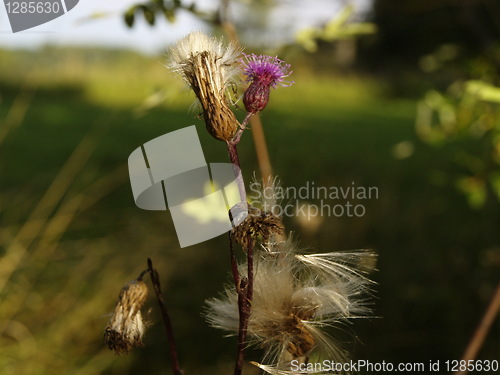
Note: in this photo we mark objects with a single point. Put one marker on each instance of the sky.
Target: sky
(76, 27)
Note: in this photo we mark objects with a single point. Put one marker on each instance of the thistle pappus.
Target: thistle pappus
(126, 327)
(209, 67)
(295, 298)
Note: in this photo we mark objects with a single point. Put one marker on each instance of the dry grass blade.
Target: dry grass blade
(39, 217)
(19, 108)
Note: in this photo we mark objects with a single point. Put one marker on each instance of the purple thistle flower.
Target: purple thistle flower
(263, 72)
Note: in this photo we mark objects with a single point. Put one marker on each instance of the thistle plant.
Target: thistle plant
(280, 300)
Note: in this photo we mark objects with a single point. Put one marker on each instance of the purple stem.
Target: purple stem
(235, 160)
(155, 279)
(238, 366)
(234, 264)
(237, 137)
(244, 286)
(250, 272)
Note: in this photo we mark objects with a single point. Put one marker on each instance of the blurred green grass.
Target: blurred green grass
(64, 262)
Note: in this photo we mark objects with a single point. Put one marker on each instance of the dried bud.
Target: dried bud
(209, 68)
(126, 327)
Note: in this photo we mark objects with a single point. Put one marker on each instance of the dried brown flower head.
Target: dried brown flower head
(294, 298)
(125, 329)
(209, 68)
(257, 224)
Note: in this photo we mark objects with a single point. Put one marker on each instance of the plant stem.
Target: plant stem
(234, 264)
(244, 288)
(238, 366)
(237, 137)
(244, 299)
(241, 284)
(250, 272)
(235, 160)
(242, 329)
(155, 279)
(483, 329)
(263, 159)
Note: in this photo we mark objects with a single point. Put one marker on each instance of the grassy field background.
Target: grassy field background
(71, 235)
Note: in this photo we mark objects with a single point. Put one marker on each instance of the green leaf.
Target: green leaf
(307, 39)
(337, 28)
(474, 190)
(169, 15)
(129, 16)
(149, 15)
(336, 24)
(483, 91)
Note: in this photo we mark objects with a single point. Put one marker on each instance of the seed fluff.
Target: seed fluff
(295, 298)
(210, 68)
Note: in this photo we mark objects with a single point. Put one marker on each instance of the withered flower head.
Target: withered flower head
(294, 298)
(209, 68)
(258, 224)
(264, 221)
(126, 327)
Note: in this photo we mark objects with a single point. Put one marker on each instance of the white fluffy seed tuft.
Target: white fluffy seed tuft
(295, 298)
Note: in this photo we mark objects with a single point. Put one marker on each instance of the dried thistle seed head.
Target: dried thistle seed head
(300, 340)
(257, 224)
(126, 327)
(209, 67)
(294, 298)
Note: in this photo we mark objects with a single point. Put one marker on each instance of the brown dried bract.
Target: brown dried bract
(257, 223)
(126, 327)
(301, 340)
(220, 121)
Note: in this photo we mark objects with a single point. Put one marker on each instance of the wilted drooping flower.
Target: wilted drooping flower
(294, 298)
(209, 68)
(126, 327)
(263, 72)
